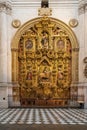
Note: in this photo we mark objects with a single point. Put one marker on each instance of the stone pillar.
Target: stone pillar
(9, 36)
(85, 55)
(4, 10)
(83, 49)
(3, 45)
(85, 6)
(81, 42)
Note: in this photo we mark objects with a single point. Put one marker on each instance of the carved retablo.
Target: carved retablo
(44, 59)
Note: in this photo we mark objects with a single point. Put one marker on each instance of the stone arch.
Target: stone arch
(62, 25)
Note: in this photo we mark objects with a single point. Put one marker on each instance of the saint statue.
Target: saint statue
(45, 39)
(29, 76)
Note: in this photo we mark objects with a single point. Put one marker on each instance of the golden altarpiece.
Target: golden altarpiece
(44, 64)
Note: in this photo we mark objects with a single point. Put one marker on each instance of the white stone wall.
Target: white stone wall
(25, 10)
(3, 97)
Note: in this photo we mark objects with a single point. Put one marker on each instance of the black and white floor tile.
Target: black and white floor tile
(43, 116)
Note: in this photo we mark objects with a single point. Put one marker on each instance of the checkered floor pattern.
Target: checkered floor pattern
(43, 116)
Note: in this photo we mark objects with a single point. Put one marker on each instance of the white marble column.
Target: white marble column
(85, 30)
(83, 50)
(3, 44)
(9, 35)
(85, 55)
(81, 41)
(4, 10)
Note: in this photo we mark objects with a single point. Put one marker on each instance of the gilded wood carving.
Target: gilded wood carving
(44, 61)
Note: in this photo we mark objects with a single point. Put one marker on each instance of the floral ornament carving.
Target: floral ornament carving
(73, 23)
(16, 23)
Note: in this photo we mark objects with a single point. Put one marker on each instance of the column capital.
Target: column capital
(5, 7)
(83, 8)
(86, 7)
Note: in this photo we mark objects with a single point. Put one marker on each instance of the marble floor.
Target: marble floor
(43, 116)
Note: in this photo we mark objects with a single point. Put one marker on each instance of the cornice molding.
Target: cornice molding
(37, 3)
(5, 7)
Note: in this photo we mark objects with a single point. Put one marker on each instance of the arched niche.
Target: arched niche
(64, 30)
(62, 25)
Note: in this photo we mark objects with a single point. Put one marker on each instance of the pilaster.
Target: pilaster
(5, 11)
(81, 32)
(85, 30)
(3, 47)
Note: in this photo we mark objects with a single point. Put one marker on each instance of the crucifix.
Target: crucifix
(44, 4)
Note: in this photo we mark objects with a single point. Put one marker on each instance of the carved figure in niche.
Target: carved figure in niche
(29, 44)
(45, 39)
(29, 76)
(60, 74)
(60, 44)
(45, 75)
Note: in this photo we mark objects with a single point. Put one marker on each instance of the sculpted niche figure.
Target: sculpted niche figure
(45, 75)
(44, 40)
